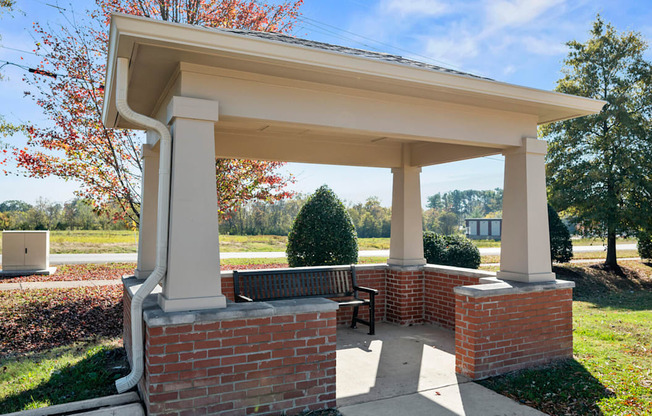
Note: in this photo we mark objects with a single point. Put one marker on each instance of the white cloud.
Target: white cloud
(414, 8)
(544, 46)
(454, 49)
(509, 70)
(515, 13)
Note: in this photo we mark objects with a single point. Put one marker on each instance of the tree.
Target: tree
(448, 223)
(14, 205)
(106, 162)
(561, 246)
(323, 233)
(371, 220)
(645, 245)
(598, 165)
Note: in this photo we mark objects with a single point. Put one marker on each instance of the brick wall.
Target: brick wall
(500, 333)
(404, 298)
(439, 298)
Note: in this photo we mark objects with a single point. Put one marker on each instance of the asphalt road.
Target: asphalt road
(131, 257)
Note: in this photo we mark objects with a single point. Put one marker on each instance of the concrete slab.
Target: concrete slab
(116, 401)
(410, 371)
(394, 362)
(466, 399)
(17, 273)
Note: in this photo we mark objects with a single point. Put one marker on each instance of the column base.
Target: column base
(142, 274)
(406, 262)
(526, 277)
(191, 304)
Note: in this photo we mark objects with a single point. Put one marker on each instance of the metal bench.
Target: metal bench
(328, 282)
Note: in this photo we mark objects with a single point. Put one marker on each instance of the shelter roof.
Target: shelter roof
(379, 56)
(157, 49)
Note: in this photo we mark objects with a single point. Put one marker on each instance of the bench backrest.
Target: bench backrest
(262, 285)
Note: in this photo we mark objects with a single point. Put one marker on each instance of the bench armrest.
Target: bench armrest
(242, 298)
(366, 290)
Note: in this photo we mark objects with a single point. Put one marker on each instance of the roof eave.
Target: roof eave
(566, 106)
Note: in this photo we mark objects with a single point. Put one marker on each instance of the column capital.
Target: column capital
(530, 146)
(147, 151)
(403, 168)
(192, 108)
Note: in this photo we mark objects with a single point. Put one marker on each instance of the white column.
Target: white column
(406, 242)
(525, 240)
(148, 211)
(193, 276)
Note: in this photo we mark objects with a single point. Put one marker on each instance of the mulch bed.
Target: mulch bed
(109, 271)
(597, 279)
(36, 320)
(76, 272)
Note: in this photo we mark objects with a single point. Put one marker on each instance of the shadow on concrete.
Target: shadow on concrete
(409, 371)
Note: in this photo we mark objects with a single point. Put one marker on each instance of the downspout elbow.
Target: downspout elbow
(137, 368)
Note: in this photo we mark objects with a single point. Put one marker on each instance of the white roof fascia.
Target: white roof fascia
(252, 48)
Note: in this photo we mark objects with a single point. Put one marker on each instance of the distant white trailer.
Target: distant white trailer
(484, 228)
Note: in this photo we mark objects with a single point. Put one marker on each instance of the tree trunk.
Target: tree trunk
(611, 250)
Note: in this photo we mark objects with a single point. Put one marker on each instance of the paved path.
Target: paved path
(59, 284)
(131, 257)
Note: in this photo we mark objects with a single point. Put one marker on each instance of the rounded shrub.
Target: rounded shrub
(450, 250)
(322, 233)
(561, 247)
(645, 245)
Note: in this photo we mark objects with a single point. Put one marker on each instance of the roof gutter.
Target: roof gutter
(122, 82)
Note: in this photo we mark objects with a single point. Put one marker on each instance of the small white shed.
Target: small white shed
(25, 252)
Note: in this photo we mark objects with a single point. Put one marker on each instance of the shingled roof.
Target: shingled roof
(378, 56)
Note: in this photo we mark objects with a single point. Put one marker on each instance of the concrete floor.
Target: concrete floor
(409, 371)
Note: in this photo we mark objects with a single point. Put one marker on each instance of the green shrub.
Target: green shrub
(450, 250)
(322, 233)
(561, 247)
(645, 245)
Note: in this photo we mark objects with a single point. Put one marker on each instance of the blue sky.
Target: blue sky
(516, 41)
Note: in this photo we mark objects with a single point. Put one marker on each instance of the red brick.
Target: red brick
(180, 329)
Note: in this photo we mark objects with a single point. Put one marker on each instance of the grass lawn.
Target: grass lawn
(611, 373)
(65, 374)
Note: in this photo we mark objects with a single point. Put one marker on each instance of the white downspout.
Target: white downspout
(150, 283)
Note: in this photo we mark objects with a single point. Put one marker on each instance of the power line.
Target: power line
(19, 50)
(45, 73)
(379, 42)
(323, 29)
(54, 6)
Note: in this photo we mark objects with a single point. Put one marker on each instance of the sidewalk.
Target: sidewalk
(59, 284)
